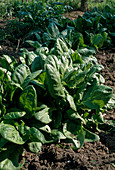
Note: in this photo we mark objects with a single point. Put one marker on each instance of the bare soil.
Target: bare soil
(98, 155)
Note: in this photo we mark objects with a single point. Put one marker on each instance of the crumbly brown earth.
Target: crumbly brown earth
(98, 155)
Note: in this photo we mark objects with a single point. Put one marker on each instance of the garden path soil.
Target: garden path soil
(98, 155)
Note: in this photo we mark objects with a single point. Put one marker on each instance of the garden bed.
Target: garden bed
(96, 155)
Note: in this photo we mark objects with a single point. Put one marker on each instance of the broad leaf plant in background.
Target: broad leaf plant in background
(55, 92)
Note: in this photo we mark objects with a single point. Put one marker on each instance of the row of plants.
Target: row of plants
(7, 7)
(93, 28)
(56, 91)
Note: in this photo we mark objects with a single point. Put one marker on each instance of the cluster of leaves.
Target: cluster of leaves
(54, 93)
(32, 16)
(96, 27)
(93, 28)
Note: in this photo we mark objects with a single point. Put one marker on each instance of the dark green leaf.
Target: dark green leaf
(90, 136)
(2, 142)
(9, 159)
(74, 116)
(36, 135)
(28, 101)
(56, 119)
(97, 96)
(30, 77)
(53, 30)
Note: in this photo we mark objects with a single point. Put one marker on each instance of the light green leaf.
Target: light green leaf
(10, 133)
(20, 73)
(55, 86)
(5, 72)
(15, 114)
(35, 147)
(66, 132)
(45, 128)
(7, 165)
(71, 102)
(58, 133)
(43, 115)
(60, 47)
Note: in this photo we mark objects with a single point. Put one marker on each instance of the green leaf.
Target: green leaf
(78, 40)
(38, 63)
(98, 117)
(76, 57)
(98, 39)
(34, 44)
(11, 88)
(28, 101)
(10, 133)
(86, 51)
(24, 131)
(75, 80)
(45, 128)
(30, 77)
(53, 30)
(97, 96)
(60, 47)
(43, 115)
(2, 142)
(70, 135)
(8, 62)
(90, 136)
(65, 64)
(14, 114)
(81, 137)
(55, 86)
(35, 147)
(58, 133)
(5, 72)
(56, 119)
(71, 102)
(73, 115)
(36, 135)
(20, 73)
